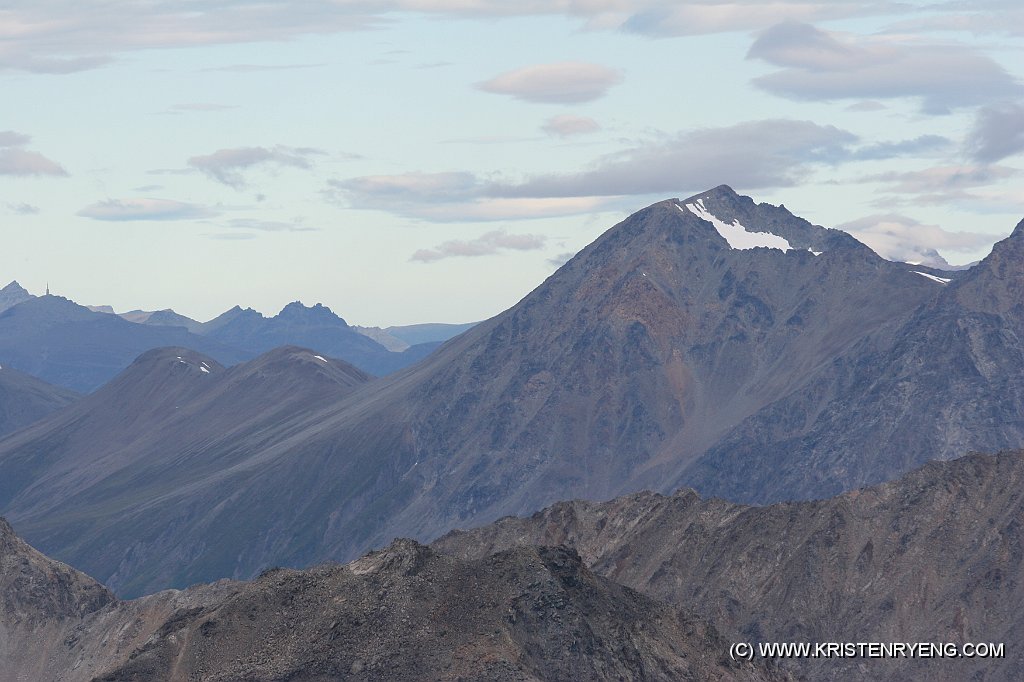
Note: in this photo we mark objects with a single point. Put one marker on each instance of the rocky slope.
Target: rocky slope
(937, 556)
(404, 613)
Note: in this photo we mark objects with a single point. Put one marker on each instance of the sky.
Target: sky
(408, 161)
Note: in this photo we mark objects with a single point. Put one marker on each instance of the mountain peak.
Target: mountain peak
(13, 294)
(1018, 232)
(296, 310)
(173, 357)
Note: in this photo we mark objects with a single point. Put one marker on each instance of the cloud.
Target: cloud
(561, 83)
(561, 259)
(819, 65)
(144, 209)
(17, 161)
(755, 154)
(698, 18)
(942, 180)
(64, 36)
(485, 245)
(259, 68)
(9, 138)
(975, 16)
(998, 132)
(887, 150)
(226, 165)
(23, 209)
(448, 197)
(866, 105)
(269, 225)
(568, 125)
(899, 238)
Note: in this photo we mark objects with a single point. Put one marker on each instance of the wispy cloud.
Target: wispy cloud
(85, 38)
(998, 132)
(756, 154)
(668, 19)
(561, 259)
(942, 180)
(568, 125)
(14, 160)
(227, 165)
(259, 68)
(449, 197)
(923, 144)
(819, 65)
(119, 210)
(899, 238)
(22, 209)
(561, 83)
(269, 225)
(485, 245)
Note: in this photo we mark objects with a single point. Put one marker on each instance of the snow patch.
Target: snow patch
(204, 370)
(737, 235)
(816, 253)
(320, 358)
(940, 280)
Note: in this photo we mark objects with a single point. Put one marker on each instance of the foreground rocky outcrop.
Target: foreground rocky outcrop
(403, 613)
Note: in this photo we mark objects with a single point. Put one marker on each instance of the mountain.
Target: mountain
(13, 294)
(314, 327)
(947, 380)
(172, 433)
(81, 347)
(399, 338)
(69, 345)
(711, 342)
(937, 556)
(40, 598)
(25, 399)
(404, 613)
(164, 318)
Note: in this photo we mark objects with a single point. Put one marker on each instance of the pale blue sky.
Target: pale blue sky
(432, 160)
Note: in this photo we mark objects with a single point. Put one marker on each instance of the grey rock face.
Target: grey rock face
(936, 556)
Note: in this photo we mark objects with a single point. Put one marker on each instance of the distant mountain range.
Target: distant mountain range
(82, 347)
(710, 342)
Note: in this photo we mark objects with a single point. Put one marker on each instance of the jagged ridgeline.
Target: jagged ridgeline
(711, 342)
(404, 613)
(643, 587)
